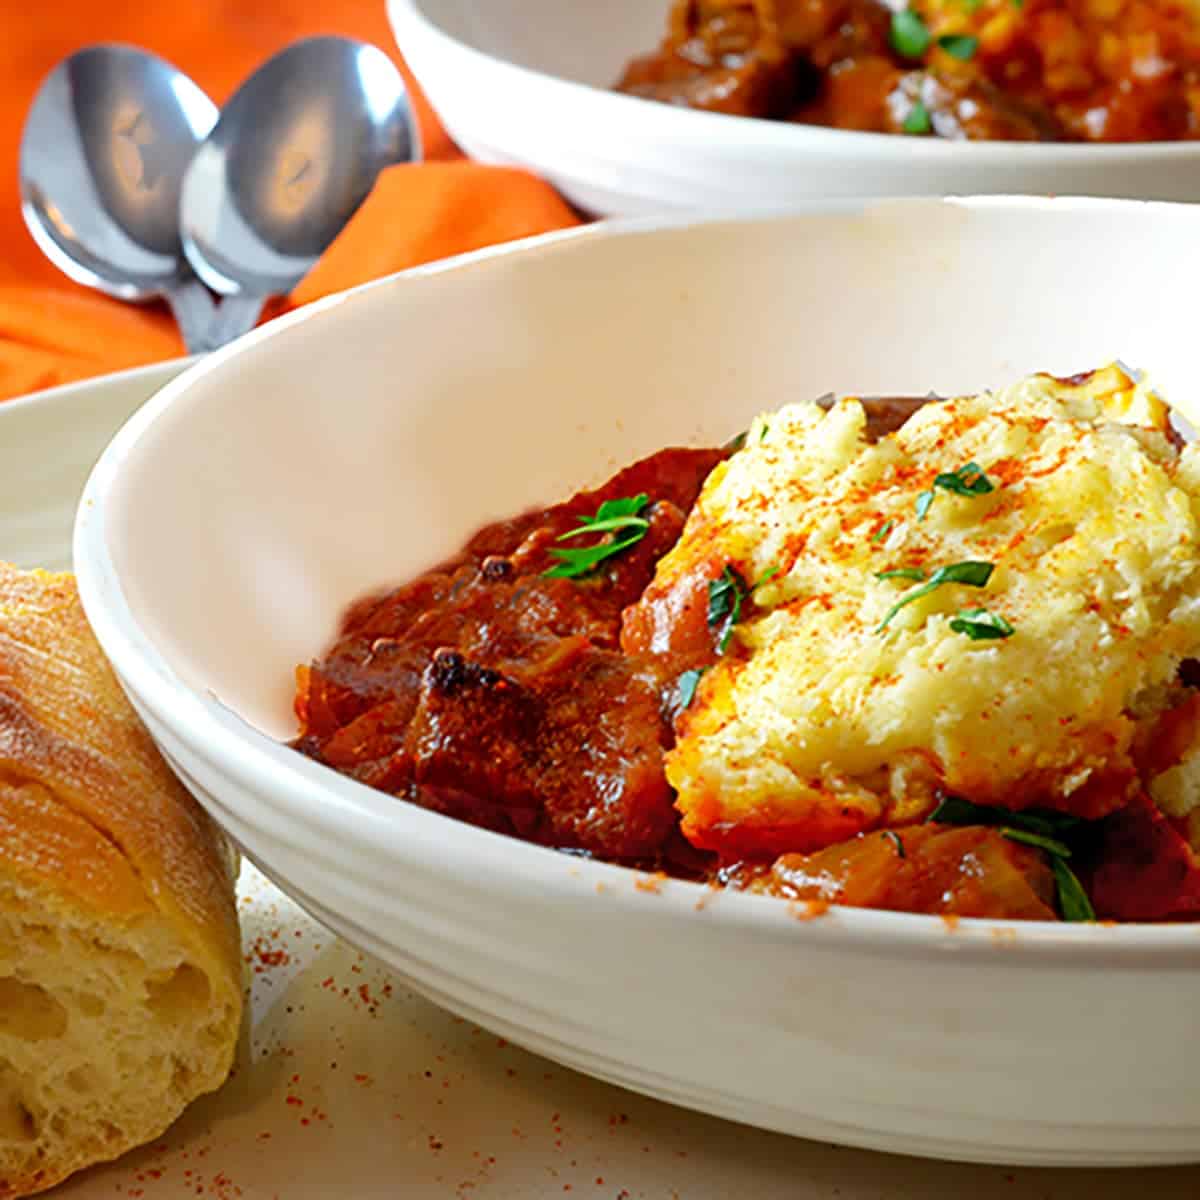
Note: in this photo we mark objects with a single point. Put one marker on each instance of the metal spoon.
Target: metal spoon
(103, 154)
(293, 155)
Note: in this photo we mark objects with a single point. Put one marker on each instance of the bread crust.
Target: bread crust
(92, 818)
(65, 723)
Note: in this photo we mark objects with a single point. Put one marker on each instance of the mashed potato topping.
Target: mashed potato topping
(869, 670)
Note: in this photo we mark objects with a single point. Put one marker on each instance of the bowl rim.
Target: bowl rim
(167, 367)
(332, 808)
(411, 21)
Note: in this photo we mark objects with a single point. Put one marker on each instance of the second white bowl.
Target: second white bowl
(529, 82)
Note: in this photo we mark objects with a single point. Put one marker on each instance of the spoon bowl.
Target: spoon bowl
(103, 155)
(294, 154)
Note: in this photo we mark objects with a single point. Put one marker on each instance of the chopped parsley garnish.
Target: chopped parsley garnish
(909, 34)
(917, 122)
(897, 841)
(959, 45)
(1050, 845)
(1033, 827)
(913, 573)
(726, 594)
(954, 810)
(966, 481)
(622, 522)
(971, 573)
(884, 530)
(1073, 901)
(687, 683)
(980, 625)
(762, 433)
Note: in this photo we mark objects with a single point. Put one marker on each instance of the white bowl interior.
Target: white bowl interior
(586, 43)
(346, 451)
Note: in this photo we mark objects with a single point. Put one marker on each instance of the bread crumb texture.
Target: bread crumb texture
(120, 975)
(834, 711)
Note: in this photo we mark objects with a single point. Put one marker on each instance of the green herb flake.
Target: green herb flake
(966, 481)
(917, 122)
(970, 573)
(959, 45)
(913, 573)
(762, 433)
(897, 841)
(954, 810)
(629, 508)
(884, 530)
(909, 34)
(621, 524)
(725, 596)
(687, 683)
(1073, 901)
(980, 625)
(1050, 845)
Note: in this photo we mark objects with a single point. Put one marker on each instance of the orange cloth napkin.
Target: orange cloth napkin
(53, 331)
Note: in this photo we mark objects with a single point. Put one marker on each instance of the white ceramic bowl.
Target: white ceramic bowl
(357, 441)
(527, 82)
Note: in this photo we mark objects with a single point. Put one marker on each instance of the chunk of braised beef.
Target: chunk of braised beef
(752, 86)
(1142, 868)
(496, 614)
(567, 752)
(954, 870)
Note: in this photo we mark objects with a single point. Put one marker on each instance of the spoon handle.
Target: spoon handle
(235, 316)
(194, 314)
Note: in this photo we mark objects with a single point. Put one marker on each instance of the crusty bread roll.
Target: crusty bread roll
(120, 961)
